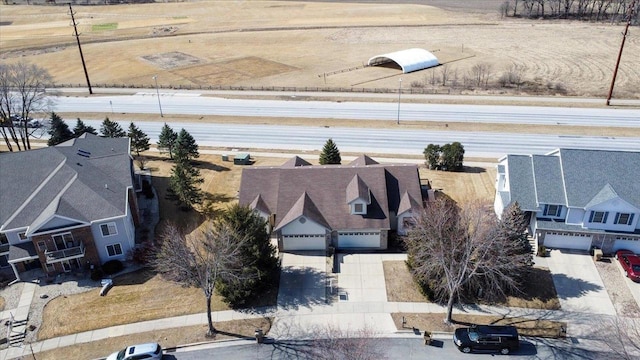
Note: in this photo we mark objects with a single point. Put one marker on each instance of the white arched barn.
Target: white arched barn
(409, 60)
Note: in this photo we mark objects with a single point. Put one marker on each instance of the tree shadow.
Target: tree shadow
(134, 278)
(473, 170)
(573, 287)
(301, 287)
(209, 166)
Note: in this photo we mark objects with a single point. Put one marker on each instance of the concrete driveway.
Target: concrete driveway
(578, 283)
(361, 276)
(303, 280)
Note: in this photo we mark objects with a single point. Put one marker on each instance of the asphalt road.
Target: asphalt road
(381, 141)
(191, 103)
(395, 348)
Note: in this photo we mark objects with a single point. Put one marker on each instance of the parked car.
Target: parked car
(630, 264)
(148, 351)
(487, 337)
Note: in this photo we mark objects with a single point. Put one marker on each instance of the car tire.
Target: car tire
(466, 349)
(505, 351)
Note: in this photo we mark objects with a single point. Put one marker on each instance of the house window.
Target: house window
(598, 217)
(552, 210)
(63, 241)
(114, 250)
(42, 246)
(51, 268)
(23, 236)
(624, 219)
(109, 229)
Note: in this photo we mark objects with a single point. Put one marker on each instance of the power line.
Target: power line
(75, 28)
(632, 7)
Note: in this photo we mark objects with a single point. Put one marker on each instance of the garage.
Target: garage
(348, 239)
(567, 241)
(303, 242)
(632, 244)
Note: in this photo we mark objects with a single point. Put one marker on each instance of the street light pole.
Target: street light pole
(399, 94)
(155, 78)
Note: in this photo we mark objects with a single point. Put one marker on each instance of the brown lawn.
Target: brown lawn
(167, 338)
(472, 184)
(537, 293)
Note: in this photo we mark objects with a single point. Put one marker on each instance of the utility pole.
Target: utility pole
(75, 28)
(399, 94)
(632, 7)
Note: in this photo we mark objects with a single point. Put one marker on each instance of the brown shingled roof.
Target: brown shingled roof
(281, 189)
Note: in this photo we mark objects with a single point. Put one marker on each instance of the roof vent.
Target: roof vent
(106, 186)
(84, 153)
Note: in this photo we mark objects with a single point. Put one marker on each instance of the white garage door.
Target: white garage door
(303, 242)
(358, 239)
(564, 241)
(633, 245)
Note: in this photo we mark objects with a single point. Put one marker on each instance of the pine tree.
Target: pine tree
(330, 154)
(59, 131)
(139, 140)
(111, 129)
(513, 226)
(432, 156)
(185, 147)
(167, 139)
(258, 256)
(184, 182)
(82, 128)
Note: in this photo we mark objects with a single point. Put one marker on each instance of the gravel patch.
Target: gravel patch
(619, 293)
(11, 295)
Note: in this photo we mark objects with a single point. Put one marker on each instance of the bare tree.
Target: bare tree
(444, 74)
(453, 250)
(332, 343)
(622, 336)
(480, 73)
(201, 259)
(22, 92)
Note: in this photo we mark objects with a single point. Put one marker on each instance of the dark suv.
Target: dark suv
(487, 337)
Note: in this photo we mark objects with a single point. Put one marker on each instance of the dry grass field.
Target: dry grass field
(287, 43)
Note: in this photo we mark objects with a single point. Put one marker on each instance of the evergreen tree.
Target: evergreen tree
(258, 256)
(513, 227)
(59, 131)
(185, 147)
(167, 139)
(81, 128)
(139, 140)
(184, 182)
(452, 156)
(432, 156)
(330, 154)
(111, 129)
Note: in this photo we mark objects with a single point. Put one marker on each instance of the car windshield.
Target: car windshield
(636, 268)
(473, 334)
(121, 354)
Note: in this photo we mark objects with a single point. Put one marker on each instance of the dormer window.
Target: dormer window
(598, 217)
(358, 208)
(552, 210)
(623, 219)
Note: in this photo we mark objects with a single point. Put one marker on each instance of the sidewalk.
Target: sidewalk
(297, 323)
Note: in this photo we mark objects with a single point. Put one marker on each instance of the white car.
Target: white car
(148, 351)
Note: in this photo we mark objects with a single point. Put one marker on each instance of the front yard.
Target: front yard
(540, 294)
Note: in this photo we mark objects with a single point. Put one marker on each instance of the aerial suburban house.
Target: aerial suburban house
(576, 199)
(352, 206)
(67, 207)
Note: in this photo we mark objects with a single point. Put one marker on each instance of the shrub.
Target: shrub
(112, 266)
(96, 274)
(142, 254)
(542, 251)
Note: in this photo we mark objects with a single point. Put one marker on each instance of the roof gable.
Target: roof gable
(296, 161)
(407, 203)
(363, 160)
(303, 207)
(357, 189)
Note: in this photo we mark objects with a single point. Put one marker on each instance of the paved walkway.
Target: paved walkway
(20, 315)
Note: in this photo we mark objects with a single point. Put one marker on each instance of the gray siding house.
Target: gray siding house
(351, 206)
(575, 198)
(68, 206)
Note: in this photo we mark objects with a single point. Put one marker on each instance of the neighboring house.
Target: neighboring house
(67, 207)
(576, 199)
(344, 206)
